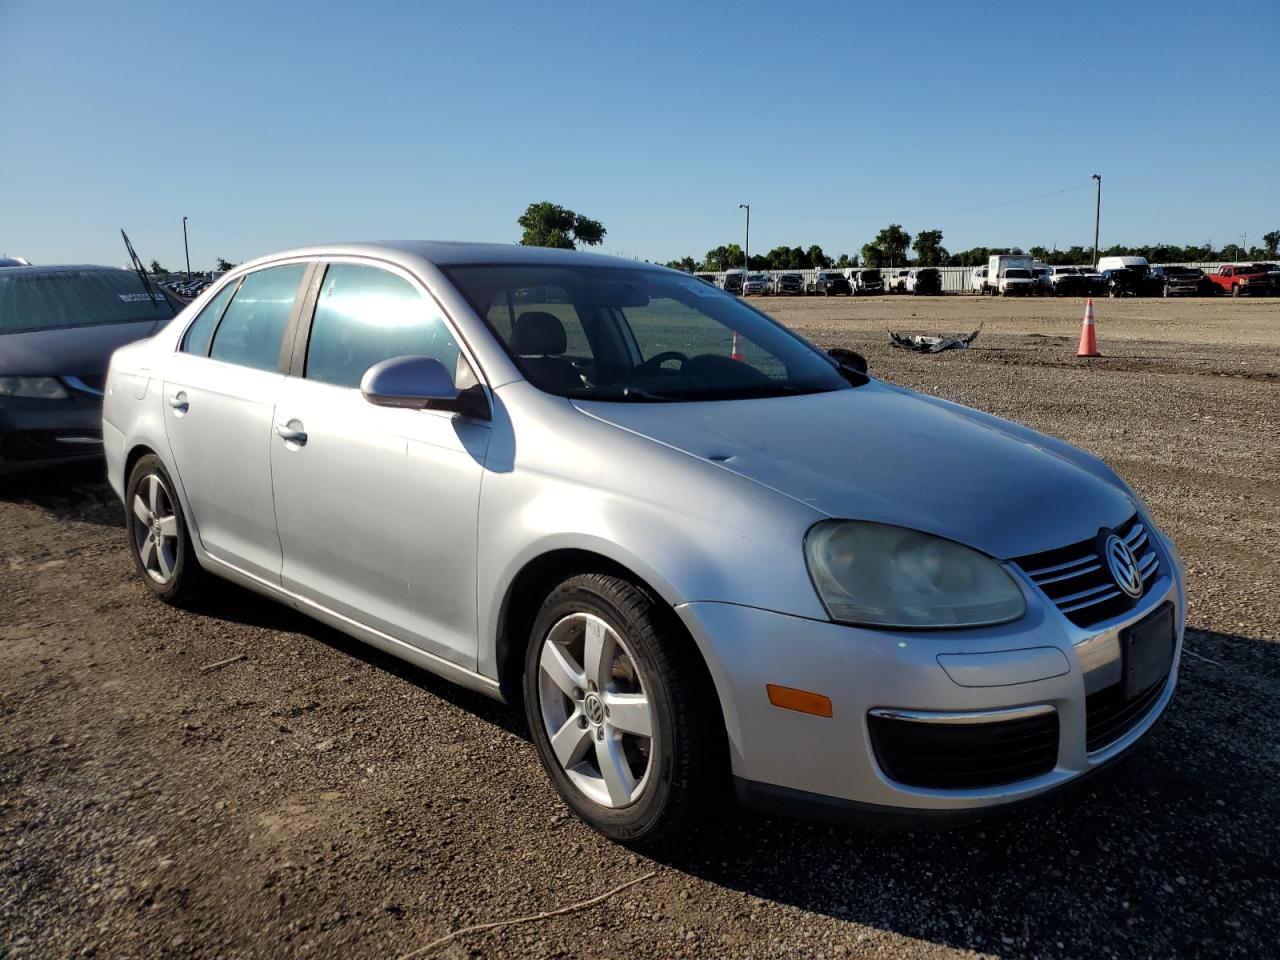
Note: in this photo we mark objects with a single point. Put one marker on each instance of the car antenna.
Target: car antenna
(153, 294)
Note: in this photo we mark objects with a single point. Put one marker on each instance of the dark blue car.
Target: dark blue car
(58, 328)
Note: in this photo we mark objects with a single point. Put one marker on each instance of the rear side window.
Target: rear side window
(253, 326)
(201, 332)
(365, 315)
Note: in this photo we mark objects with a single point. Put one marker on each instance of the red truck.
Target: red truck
(1238, 279)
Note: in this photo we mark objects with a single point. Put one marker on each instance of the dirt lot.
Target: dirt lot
(319, 799)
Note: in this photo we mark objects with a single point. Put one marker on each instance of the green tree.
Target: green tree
(156, 268)
(929, 249)
(1271, 241)
(725, 257)
(550, 225)
(225, 265)
(893, 242)
(687, 264)
(817, 259)
(874, 256)
(844, 260)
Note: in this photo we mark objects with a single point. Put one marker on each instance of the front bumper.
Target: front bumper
(37, 433)
(782, 758)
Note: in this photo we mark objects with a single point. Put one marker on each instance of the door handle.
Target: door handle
(290, 433)
(179, 402)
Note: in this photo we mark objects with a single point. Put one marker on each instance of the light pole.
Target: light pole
(1244, 246)
(1097, 219)
(185, 248)
(746, 253)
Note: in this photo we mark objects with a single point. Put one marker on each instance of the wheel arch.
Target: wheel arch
(535, 580)
(136, 453)
(141, 447)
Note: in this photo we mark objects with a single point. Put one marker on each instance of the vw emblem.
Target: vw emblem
(1123, 565)
(595, 709)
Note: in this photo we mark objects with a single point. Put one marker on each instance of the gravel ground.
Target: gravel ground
(319, 799)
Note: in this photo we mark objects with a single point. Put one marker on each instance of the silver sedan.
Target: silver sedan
(695, 549)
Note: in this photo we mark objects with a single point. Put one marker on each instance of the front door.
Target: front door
(377, 507)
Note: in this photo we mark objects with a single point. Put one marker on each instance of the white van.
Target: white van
(1016, 281)
(1001, 262)
(978, 280)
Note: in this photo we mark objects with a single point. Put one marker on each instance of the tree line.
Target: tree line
(894, 246)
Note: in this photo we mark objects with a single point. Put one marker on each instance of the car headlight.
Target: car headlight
(40, 388)
(878, 575)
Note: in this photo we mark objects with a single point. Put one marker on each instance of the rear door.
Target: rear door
(220, 393)
(377, 507)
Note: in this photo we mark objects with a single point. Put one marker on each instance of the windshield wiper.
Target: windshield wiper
(154, 295)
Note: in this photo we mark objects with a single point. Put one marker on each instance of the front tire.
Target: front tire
(621, 716)
(159, 539)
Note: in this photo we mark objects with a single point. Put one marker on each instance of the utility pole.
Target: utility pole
(185, 248)
(746, 253)
(1097, 219)
(1244, 246)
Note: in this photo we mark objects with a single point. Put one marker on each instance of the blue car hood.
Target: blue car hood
(890, 455)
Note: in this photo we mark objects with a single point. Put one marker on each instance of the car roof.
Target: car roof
(448, 253)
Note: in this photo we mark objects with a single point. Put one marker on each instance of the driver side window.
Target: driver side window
(365, 315)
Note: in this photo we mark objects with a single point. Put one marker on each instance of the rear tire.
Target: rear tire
(159, 539)
(625, 721)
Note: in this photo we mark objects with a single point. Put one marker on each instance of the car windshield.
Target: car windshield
(757, 278)
(871, 276)
(1016, 273)
(38, 299)
(636, 335)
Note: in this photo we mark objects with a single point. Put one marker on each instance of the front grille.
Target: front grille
(958, 756)
(1108, 716)
(1078, 581)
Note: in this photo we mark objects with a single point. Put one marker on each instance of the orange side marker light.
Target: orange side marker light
(802, 701)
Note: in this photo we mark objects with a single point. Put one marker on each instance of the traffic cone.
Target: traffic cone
(1088, 339)
(735, 349)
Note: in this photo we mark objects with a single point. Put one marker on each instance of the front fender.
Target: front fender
(686, 527)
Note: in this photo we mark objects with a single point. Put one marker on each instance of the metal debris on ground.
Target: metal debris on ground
(921, 344)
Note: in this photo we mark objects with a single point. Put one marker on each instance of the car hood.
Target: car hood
(889, 455)
(70, 351)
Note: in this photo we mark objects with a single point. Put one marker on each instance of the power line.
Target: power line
(938, 213)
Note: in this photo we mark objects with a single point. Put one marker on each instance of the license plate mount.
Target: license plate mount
(1148, 651)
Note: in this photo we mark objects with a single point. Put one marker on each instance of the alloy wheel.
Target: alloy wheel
(595, 710)
(154, 525)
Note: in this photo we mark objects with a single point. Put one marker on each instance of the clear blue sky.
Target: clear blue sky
(275, 124)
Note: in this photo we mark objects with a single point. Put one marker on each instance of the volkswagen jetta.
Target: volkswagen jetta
(697, 550)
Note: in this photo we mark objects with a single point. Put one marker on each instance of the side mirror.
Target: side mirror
(849, 359)
(420, 383)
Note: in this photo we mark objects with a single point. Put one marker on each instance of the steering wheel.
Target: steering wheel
(651, 365)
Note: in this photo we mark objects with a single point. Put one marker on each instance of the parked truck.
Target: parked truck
(924, 280)
(1241, 279)
(868, 282)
